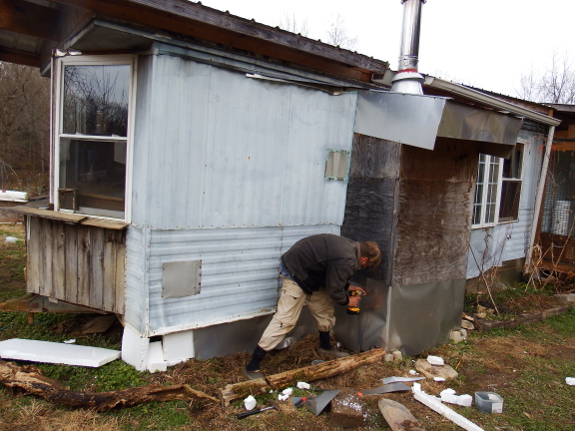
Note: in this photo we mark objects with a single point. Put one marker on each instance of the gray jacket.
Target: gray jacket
(323, 260)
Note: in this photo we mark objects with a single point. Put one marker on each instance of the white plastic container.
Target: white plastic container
(488, 402)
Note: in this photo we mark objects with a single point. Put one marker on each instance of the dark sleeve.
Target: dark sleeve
(336, 279)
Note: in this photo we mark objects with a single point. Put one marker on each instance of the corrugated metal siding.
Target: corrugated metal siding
(493, 246)
(230, 171)
(239, 273)
(136, 314)
(214, 148)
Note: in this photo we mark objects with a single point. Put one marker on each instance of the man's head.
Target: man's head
(370, 255)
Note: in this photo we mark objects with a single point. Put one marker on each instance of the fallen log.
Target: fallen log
(306, 374)
(31, 381)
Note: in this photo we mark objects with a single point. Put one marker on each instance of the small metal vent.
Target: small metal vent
(337, 165)
(181, 278)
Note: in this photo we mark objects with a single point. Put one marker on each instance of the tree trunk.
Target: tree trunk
(306, 374)
(30, 380)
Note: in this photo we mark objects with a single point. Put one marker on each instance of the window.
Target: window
(498, 188)
(93, 135)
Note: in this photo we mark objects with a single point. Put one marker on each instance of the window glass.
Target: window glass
(96, 99)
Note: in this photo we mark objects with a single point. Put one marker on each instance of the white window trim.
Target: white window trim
(88, 60)
(496, 221)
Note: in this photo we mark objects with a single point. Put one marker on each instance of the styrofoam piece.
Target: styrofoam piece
(135, 349)
(287, 391)
(13, 196)
(436, 405)
(435, 360)
(178, 347)
(56, 353)
(156, 360)
(394, 379)
(416, 387)
(439, 379)
(11, 239)
(250, 402)
(303, 385)
(282, 397)
(570, 381)
(464, 400)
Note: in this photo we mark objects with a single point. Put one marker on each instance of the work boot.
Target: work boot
(252, 371)
(327, 348)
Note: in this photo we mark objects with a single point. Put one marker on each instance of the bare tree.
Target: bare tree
(554, 85)
(338, 34)
(24, 119)
(291, 24)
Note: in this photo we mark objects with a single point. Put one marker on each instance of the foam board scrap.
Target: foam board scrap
(56, 353)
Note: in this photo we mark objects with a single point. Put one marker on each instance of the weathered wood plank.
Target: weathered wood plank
(48, 214)
(109, 267)
(98, 270)
(33, 255)
(59, 260)
(71, 258)
(120, 280)
(84, 264)
(47, 259)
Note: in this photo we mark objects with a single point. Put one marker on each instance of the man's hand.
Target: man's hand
(353, 301)
(363, 291)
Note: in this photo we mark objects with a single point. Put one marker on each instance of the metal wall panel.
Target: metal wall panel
(493, 246)
(215, 149)
(239, 273)
(135, 313)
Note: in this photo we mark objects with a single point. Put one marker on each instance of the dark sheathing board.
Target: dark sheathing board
(435, 201)
(371, 197)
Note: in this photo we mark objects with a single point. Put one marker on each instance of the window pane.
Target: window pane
(512, 167)
(92, 175)
(96, 100)
(509, 207)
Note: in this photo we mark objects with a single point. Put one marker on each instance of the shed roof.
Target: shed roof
(31, 29)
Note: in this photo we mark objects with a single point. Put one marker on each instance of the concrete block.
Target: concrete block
(156, 360)
(135, 349)
(346, 410)
(178, 347)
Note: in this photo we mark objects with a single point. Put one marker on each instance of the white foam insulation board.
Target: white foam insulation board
(56, 353)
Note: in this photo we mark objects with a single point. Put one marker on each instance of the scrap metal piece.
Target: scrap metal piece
(394, 379)
(318, 404)
(392, 387)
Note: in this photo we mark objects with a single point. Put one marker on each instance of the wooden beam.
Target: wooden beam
(30, 19)
(201, 22)
(20, 57)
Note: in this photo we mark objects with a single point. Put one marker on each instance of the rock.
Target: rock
(397, 355)
(567, 297)
(346, 410)
(431, 371)
(456, 337)
(466, 324)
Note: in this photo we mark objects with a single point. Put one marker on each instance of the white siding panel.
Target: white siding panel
(239, 273)
(136, 279)
(230, 151)
(493, 246)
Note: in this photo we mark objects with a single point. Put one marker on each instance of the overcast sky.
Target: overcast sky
(484, 43)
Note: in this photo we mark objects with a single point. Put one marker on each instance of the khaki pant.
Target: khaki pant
(290, 304)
